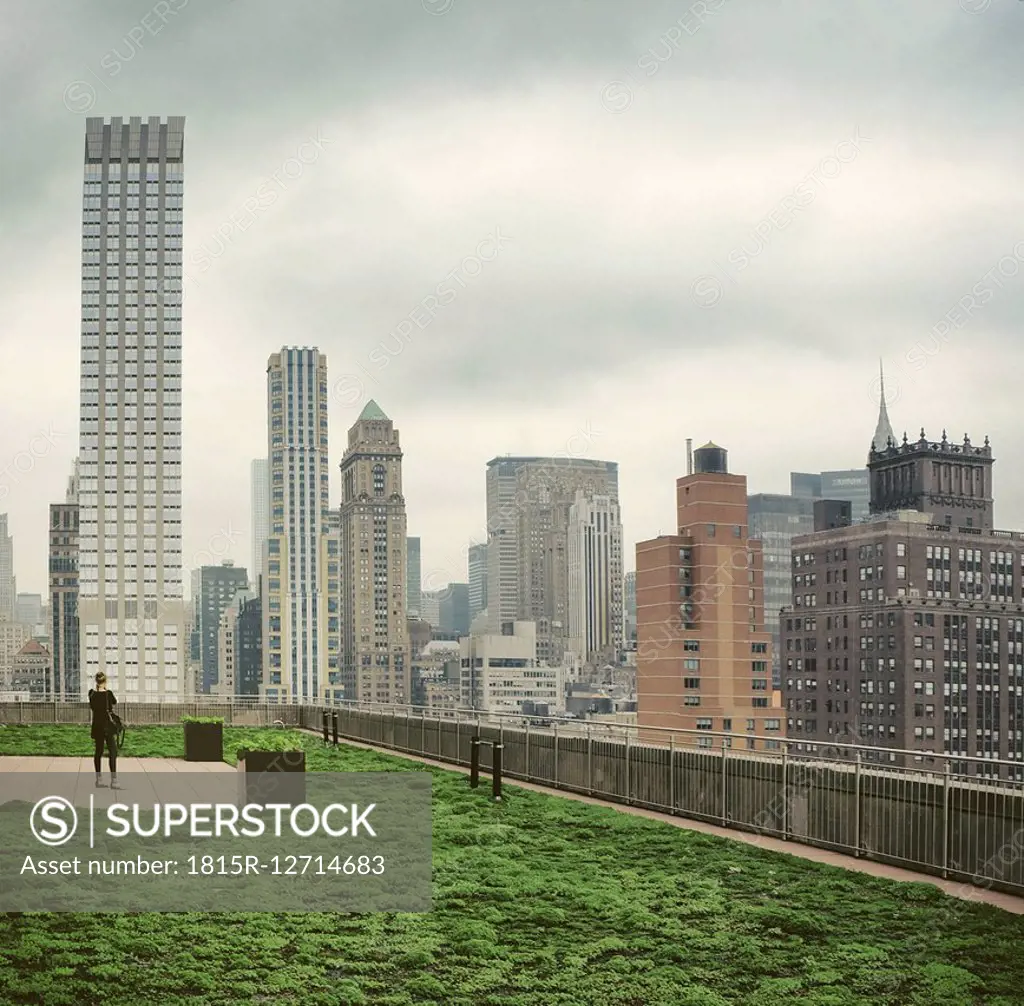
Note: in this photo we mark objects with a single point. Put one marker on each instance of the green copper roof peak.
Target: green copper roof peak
(372, 411)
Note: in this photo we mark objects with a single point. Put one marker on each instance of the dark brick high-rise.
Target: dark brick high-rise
(907, 630)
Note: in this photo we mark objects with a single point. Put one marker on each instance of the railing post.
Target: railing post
(423, 732)
(554, 749)
(785, 791)
(528, 750)
(439, 752)
(945, 820)
(334, 723)
(590, 760)
(725, 781)
(628, 780)
(325, 728)
(458, 739)
(474, 762)
(856, 809)
(496, 750)
(671, 773)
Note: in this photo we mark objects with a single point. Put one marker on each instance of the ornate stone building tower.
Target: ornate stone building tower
(376, 663)
(952, 481)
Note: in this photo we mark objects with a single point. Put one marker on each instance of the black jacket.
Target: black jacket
(101, 703)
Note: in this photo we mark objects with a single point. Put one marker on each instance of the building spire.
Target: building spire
(883, 431)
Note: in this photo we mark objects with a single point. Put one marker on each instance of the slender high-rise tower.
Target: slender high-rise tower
(131, 608)
(8, 585)
(301, 624)
(64, 635)
(377, 663)
(594, 538)
(259, 516)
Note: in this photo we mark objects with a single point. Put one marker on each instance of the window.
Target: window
(691, 645)
(691, 682)
(737, 531)
(901, 572)
(901, 548)
(711, 530)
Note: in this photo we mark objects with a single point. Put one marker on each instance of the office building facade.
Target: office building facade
(377, 664)
(453, 610)
(500, 672)
(301, 589)
(131, 605)
(63, 574)
(8, 582)
(774, 520)
(259, 516)
(595, 582)
(703, 649)
(528, 503)
(477, 561)
(215, 589)
(414, 575)
(907, 631)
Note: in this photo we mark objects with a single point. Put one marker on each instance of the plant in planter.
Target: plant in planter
(204, 738)
(260, 770)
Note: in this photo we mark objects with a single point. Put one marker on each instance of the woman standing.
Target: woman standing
(102, 703)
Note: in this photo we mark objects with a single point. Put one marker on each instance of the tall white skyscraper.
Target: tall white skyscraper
(8, 586)
(259, 516)
(131, 607)
(301, 620)
(595, 578)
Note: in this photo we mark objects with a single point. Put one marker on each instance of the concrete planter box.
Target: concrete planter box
(204, 741)
(273, 777)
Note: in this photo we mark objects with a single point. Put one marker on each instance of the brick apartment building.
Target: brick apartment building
(703, 652)
(907, 630)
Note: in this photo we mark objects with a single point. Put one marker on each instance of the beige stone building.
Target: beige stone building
(376, 663)
(545, 495)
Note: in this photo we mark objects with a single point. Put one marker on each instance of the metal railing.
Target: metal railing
(938, 819)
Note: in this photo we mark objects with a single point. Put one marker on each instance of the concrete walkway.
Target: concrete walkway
(125, 766)
(162, 780)
(955, 888)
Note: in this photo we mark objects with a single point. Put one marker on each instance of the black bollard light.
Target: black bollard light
(334, 723)
(474, 762)
(325, 726)
(496, 771)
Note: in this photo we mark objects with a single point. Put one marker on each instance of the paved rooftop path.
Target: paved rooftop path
(125, 765)
(956, 888)
(138, 779)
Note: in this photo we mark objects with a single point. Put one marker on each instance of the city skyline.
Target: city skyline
(607, 191)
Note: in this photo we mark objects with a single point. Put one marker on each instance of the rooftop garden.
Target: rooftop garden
(538, 900)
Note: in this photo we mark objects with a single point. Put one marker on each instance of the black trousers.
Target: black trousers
(97, 760)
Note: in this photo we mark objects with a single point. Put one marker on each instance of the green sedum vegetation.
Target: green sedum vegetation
(539, 901)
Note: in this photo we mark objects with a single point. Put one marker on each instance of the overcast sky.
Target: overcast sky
(647, 220)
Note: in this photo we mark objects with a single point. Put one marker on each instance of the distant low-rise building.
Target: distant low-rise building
(29, 672)
(500, 672)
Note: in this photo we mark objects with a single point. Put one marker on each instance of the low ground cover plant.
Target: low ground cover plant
(538, 900)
